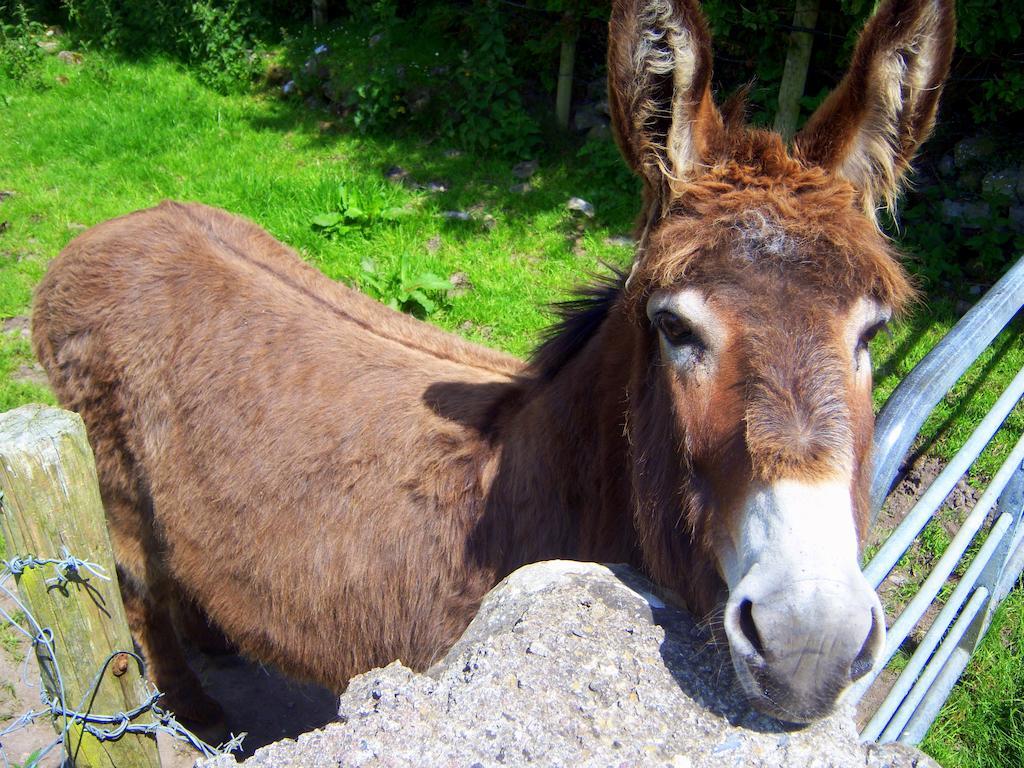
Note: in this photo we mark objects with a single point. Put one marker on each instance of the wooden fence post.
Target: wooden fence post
(51, 501)
(794, 74)
(566, 64)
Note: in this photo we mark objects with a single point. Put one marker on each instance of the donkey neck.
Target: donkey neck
(561, 465)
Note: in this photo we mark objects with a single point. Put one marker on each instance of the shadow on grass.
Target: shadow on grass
(964, 401)
(474, 182)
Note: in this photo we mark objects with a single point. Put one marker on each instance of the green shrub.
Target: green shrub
(486, 109)
(419, 294)
(19, 53)
(216, 37)
(946, 251)
(218, 41)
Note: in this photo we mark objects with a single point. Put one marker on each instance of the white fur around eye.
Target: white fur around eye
(867, 312)
(690, 306)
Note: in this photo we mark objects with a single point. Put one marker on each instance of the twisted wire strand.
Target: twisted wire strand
(111, 727)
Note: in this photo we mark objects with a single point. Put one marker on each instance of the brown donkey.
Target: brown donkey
(337, 485)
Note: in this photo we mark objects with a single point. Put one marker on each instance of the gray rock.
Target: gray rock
(588, 117)
(525, 169)
(973, 150)
(620, 241)
(597, 89)
(946, 167)
(1016, 217)
(570, 664)
(1003, 182)
(580, 205)
(969, 213)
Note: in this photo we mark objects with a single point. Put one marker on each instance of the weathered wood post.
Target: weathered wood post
(319, 13)
(566, 64)
(51, 501)
(798, 61)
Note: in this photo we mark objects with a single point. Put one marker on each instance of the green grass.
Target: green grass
(119, 137)
(84, 144)
(11, 638)
(951, 422)
(982, 723)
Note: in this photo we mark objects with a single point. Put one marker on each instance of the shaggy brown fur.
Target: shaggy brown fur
(337, 485)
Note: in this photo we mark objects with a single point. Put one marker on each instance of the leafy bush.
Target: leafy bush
(19, 53)
(445, 70)
(219, 42)
(946, 251)
(216, 37)
(418, 294)
(378, 101)
(486, 109)
(357, 209)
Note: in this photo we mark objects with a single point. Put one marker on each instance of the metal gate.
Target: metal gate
(993, 525)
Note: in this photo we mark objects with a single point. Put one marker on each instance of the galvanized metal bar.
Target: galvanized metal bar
(997, 578)
(909, 675)
(1013, 568)
(904, 534)
(939, 691)
(1011, 501)
(930, 588)
(906, 711)
(916, 396)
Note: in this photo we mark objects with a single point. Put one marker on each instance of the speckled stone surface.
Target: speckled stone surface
(570, 664)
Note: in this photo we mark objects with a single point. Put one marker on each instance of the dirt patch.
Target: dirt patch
(32, 373)
(257, 699)
(21, 325)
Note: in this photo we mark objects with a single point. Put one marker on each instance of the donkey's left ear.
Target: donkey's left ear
(869, 128)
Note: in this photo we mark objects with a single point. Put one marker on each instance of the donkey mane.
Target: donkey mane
(579, 319)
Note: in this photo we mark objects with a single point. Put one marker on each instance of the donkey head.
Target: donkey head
(760, 278)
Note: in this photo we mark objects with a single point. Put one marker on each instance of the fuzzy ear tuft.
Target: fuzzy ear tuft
(869, 128)
(659, 87)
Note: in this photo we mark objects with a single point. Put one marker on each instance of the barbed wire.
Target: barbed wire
(104, 727)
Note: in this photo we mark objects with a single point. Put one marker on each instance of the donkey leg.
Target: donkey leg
(197, 628)
(80, 370)
(148, 596)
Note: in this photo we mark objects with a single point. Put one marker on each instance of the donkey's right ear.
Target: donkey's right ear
(659, 87)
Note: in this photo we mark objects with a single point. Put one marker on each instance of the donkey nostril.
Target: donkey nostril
(749, 628)
(865, 658)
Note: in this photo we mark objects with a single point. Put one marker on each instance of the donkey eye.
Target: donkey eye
(870, 333)
(676, 331)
